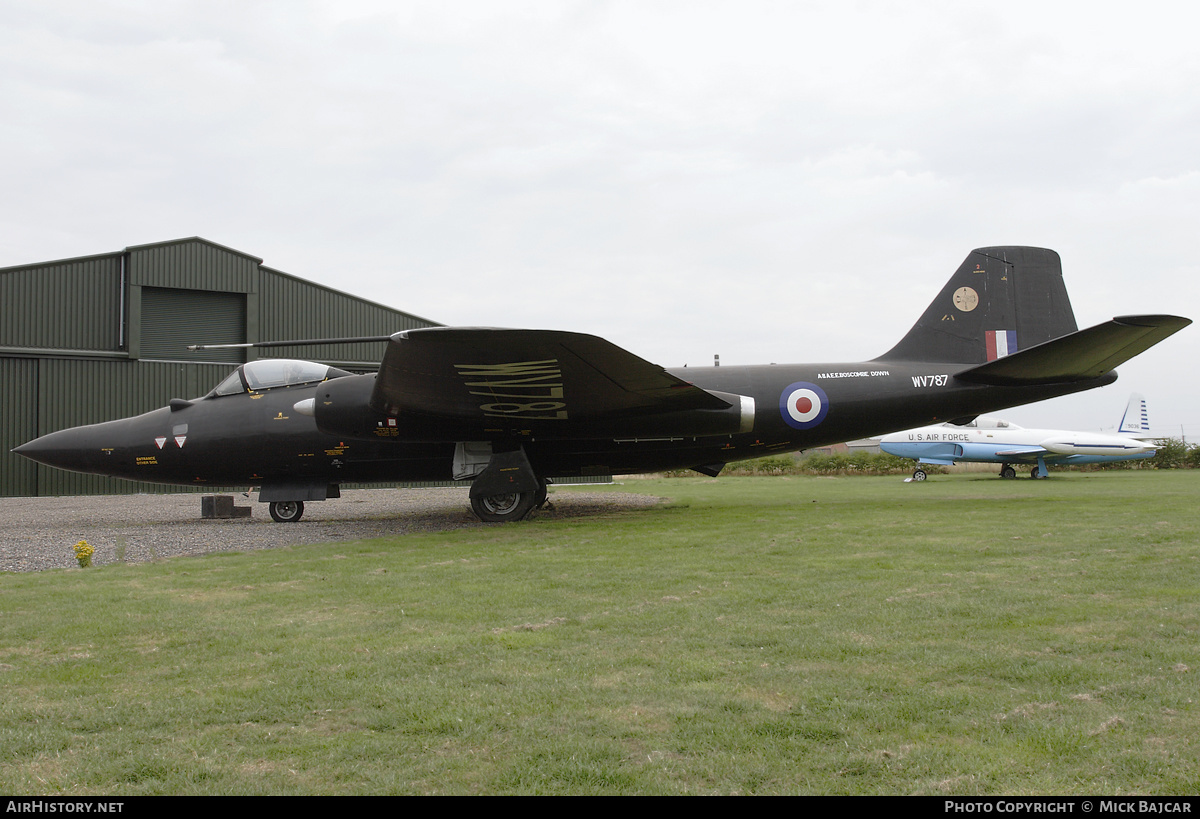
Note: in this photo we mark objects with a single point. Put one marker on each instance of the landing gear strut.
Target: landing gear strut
(286, 511)
(1039, 472)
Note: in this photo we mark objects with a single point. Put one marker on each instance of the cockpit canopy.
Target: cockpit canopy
(986, 422)
(269, 373)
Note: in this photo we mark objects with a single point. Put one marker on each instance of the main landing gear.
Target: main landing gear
(919, 474)
(1038, 473)
(503, 508)
(286, 511)
(509, 506)
(508, 489)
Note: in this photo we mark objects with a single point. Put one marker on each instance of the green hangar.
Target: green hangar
(101, 337)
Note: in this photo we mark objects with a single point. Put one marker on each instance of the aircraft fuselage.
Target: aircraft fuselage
(261, 439)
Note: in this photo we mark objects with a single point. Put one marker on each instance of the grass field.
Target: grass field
(754, 635)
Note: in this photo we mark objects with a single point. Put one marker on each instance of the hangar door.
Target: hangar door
(173, 319)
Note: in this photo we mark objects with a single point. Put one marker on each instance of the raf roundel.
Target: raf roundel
(803, 405)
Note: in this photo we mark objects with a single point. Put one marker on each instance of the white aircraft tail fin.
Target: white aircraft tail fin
(1136, 420)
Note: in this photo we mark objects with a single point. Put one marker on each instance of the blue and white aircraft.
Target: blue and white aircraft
(991, 440)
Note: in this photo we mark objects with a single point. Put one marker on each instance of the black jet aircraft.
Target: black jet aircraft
(504, 409)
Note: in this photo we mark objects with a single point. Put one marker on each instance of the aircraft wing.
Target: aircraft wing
(540, 378)
(1077, 356)
(1025, 454)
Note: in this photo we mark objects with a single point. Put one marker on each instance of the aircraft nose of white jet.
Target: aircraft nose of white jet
(305, 407)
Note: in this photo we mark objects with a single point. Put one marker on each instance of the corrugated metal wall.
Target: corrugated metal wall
(290, 308)
(193, 264)
(18, 424)
(68, 305)
(62, 325)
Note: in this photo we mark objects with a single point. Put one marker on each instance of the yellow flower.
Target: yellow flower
(83, 553)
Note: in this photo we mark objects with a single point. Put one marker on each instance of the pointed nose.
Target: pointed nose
(75, 449)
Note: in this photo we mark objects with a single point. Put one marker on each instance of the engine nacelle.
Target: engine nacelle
(341, 407)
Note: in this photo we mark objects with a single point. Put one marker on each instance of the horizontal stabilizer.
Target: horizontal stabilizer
(1078, 356)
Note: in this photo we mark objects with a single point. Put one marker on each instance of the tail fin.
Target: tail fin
(1001, 300)
(1136, 420)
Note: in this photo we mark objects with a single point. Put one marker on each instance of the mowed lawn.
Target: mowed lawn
(966, 635)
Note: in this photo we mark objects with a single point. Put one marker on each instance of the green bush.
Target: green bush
(858, 463)
(1174, 453)
(770, 465)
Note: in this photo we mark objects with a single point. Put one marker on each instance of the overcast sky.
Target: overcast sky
(785, 182)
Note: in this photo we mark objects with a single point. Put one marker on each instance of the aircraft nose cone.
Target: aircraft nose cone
(68, 449)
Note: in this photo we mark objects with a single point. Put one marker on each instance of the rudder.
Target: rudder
(999, 301)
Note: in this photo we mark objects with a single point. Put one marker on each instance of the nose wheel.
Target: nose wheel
(286, 511)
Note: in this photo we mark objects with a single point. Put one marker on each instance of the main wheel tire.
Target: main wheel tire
(1008, 472)
(919, 475)
(503, 508)
(286, 511)
(1036, 474)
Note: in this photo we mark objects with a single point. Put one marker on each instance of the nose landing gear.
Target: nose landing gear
(286, 511)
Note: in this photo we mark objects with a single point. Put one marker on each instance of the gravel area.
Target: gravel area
(39, 533)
